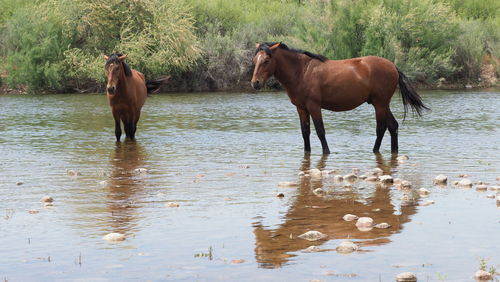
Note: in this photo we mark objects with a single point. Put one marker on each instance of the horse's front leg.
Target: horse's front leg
(305, 126)
(320, 128)
(118, 130)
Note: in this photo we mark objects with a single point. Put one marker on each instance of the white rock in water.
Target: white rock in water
(46, 199)
(440, 179)
(315, 173)
(481, 187)
(386, 179)
(405, 184)
(141, 170)
(312, 249)
(455, 183)
(48, 205)
(364, 222)
(498, 178)
(114, 237)
(350, 217)
(363, 177)
(372, 179)
(338, 178)
(490, 196)
(286, 184)
(397, 180)
(319, 191)
(465, 182)
(313, 236)
(406, 277)
(498, 198)
(427, 203)
(72, 172)
(423, 191)
(383, 225)
(402, 158)
(494, 188)
(350, 177)
(347, 247)
(172, 205)
(301, 173)
(377, 171)
(482, 275)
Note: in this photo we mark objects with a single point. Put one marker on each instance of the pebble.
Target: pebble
(364, 222)
(347, 247)
(490, 196)
(315, 173)
(114, 237)
(350, 177)
(237, 261)
(494, 188)
(312, 249)
(423, 191)
(19, 183)
(405, 184)
(172, 205)
(350, 217)
(72, 172)
(482, 275)
(363, 177)
(402, 158)
(48, 205)
(377, 171)
(406, 277)
(465, 183)
(286, 184)
(372, 179)
(455, 183)
(313, 236)
(383, 225)
(481, 187)
(427, 203)
(338, 178)
(46, 199)
(301, 173)
(386, 179)
(280, 195)
(440, 179)
(33, 211)
(463, 175)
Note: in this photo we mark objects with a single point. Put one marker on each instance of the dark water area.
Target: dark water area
(220, 156)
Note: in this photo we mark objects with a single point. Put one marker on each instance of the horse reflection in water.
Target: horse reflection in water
(125, 187)
(324, 214)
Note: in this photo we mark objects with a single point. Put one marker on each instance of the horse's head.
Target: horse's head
(115, 67)
(264, 64)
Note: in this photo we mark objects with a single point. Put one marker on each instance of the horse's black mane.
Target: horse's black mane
(264, 46)
(113, 58)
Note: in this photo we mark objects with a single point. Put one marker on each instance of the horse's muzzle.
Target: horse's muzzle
(256, 85)
(111, 90)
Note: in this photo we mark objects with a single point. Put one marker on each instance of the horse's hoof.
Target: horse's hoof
(326, 152)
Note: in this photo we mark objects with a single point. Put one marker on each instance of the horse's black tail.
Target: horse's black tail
(410, 96)
(154, 85)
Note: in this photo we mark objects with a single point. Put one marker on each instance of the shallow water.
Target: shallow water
(221, 157)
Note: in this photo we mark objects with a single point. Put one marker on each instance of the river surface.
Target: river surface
(221, 156)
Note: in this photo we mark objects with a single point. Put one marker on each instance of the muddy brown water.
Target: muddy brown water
(221, 157)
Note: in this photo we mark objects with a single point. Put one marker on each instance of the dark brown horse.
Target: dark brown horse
(127, 90)
(313, 83)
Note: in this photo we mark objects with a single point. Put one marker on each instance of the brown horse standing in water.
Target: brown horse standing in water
(313, 83)
(126, 90)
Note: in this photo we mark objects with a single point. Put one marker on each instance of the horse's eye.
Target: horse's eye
(266, 61)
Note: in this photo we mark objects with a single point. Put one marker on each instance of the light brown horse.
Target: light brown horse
(313, 83)
(126, 90)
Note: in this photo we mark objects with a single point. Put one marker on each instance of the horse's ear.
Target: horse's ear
(121, 58)
(257, 45)
(106, 57)
(275, 46)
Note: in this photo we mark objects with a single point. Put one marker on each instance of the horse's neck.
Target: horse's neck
(122, 86)
(290, 68)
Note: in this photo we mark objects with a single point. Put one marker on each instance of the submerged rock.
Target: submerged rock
(313, 235)
(350, 217)
(406, 277)
(355, 170)
(427, 203)
(237, 261)
(490, 196)
(286, 184)
(319, 191)
(440, 179)
(372, 179)
(423, 192)
(364, 222)
(386, 179)
(312, 249)
(405, 184)
(465, 183)
(347, 247)
(350, 177)
(315, 173)
(383, 225)
(48, 205)
(141, 170)
(301, 173)
(114, 237)
(363, 177)
(325, 173)
(72, 173)
(19, 183)
(402, 158)
(455, 183)
(397, 180)
(482, 275)
(46, 199)
(280, 195)
(481, 187)
(338, 178)
(377, 171)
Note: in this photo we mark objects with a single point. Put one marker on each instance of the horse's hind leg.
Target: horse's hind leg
(393, 125)
(320, 128)
(381, 116)
(305, 126)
